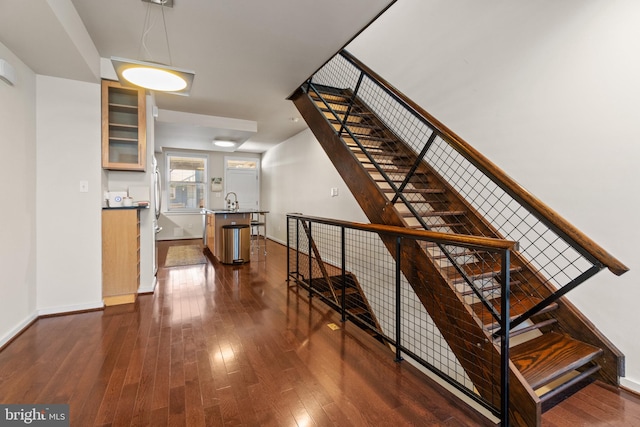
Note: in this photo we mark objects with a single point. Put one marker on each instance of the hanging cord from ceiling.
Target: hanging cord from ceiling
(146, 29)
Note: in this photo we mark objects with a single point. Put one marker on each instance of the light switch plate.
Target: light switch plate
(84, 186)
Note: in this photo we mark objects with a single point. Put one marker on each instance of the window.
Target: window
(241, 163)
(187, 179)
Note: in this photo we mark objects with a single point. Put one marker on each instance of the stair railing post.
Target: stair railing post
(351, 102)
(310, 260)
(504, 338)
(298, 251)
(288, 252)
(344, 276)
(398, 299)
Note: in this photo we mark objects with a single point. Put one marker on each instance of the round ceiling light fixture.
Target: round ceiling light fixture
(224, 143)
(154, 79)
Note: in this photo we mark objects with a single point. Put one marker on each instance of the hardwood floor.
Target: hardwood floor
(230, 345)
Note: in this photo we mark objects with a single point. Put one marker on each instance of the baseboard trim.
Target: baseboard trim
(630, 385)
(49, 312)
(282, 242)
(71, 309)
(145, 290)
(17, 331)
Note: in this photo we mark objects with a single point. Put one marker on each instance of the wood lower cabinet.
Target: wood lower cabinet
(211, 233)
(120, 255)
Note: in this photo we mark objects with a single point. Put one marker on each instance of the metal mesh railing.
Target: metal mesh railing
(375, 279)
(436, 187)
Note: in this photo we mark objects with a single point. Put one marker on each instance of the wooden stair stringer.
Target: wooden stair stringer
(417, 267)
(569, 319)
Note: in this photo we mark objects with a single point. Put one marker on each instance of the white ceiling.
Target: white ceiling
(248, 55)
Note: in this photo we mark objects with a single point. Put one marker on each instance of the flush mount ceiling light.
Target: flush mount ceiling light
(224, 143)
(149, 74)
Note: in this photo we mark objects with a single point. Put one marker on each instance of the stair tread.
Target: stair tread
(549, 356)
(371, 138)
(436, 225)
(432, 213)
(370, 166)
(417, 190)
(476, 271)
(352, 112)
(348, 291)
(520, 303)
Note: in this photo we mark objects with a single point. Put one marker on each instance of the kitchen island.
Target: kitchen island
(216, 220)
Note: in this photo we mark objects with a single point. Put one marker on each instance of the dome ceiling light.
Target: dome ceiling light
(224, 143)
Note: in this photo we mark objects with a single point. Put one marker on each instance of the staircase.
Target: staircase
(406, 169)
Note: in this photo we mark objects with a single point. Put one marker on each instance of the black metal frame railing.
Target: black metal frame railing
(326, 257)
(560, 256)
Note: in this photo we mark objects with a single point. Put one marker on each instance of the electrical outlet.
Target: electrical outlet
(334, 192)
(84, 186)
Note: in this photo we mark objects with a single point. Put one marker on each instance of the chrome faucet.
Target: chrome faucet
(232, 205)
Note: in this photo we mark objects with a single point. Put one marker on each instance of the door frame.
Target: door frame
(226, 169)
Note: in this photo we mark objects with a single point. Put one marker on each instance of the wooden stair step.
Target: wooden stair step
(469, 291)
(520, 303)
(432, 214)
(550, 356)
(417, 190)
(476, 271)
(538, 325)
(369, 126)
(559, 393)
(353, 112)
(437, 225)
(356, 311)
(390, 152)
(375, 148)
(338, 292)
(422, 175)
(371, 138)
(466, 253)
(352, 119)
(329, 96)
(382, 152)
(396, 169)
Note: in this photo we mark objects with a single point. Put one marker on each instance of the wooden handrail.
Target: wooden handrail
(477, 242)
(515, 190)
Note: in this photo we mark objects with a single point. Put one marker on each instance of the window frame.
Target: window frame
(175, 154)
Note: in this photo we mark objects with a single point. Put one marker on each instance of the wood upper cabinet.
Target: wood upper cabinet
(124, 127)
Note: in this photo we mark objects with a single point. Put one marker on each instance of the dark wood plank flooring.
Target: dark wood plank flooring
(230, 345)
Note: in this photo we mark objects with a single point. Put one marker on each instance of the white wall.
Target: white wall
(297, 176)
(68, 222)
(18, 204)
(549, 91)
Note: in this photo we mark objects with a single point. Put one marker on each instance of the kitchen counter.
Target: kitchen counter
(215, 219)
(232, 211)
(104, 208)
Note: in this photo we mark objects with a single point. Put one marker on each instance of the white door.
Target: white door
(242, 179)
